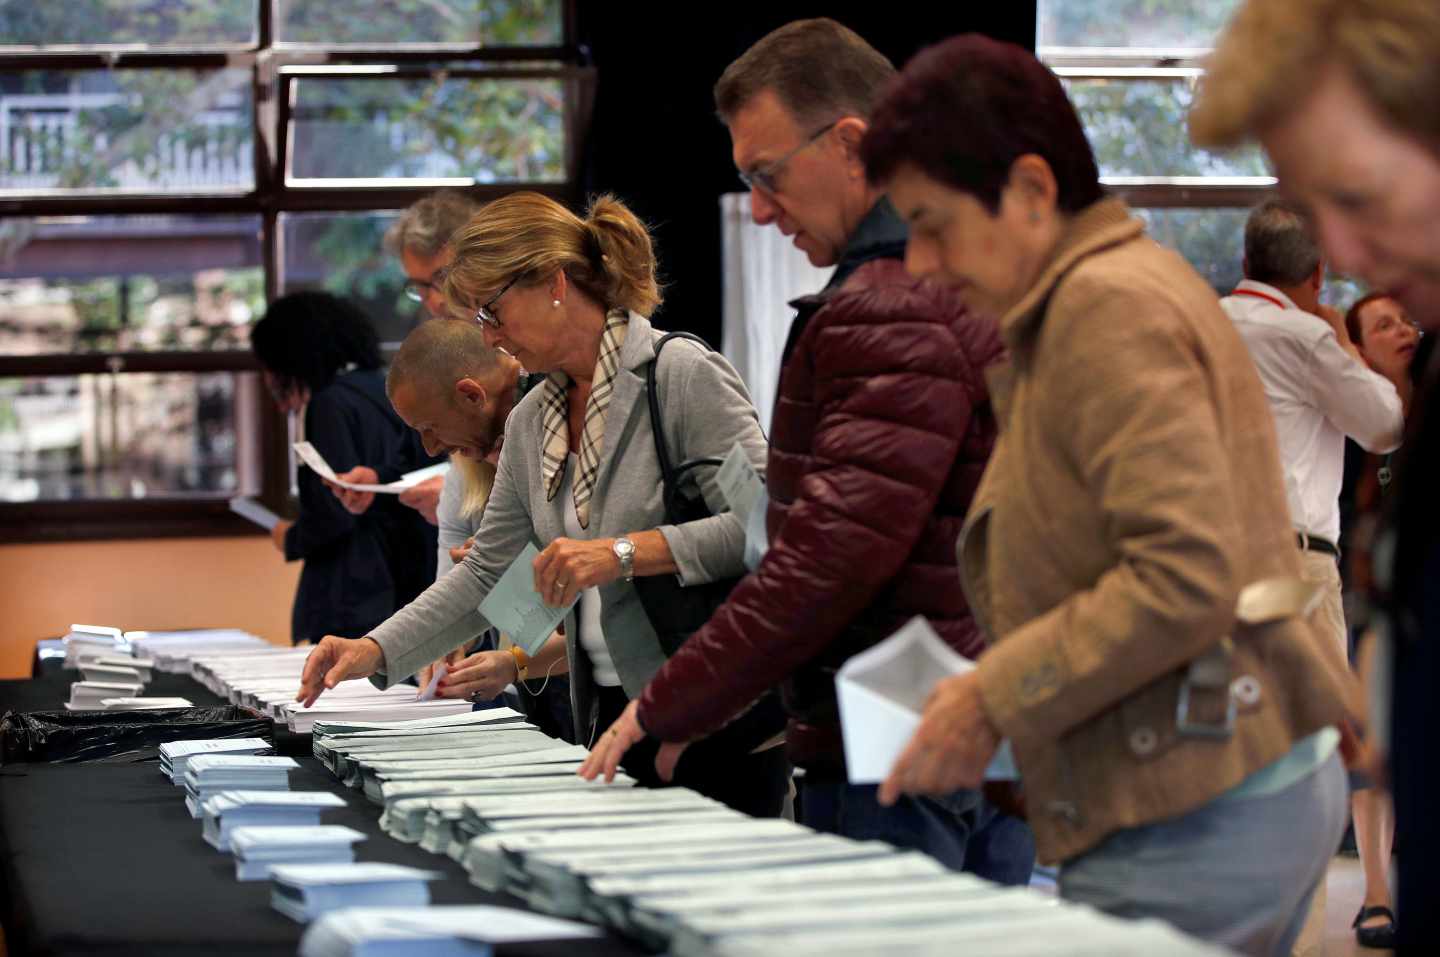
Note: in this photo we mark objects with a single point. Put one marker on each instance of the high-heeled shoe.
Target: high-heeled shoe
(1381, 936)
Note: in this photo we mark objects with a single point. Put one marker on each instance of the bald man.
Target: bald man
(453, 389)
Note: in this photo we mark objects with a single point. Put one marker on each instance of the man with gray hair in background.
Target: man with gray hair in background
(1320, 390)
(419, 240)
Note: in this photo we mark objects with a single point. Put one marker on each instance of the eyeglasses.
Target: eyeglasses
(764, 177)
(484, 316)
(417, 289)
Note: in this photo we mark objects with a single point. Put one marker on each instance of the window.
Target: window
(166, 168)
(1130, 67)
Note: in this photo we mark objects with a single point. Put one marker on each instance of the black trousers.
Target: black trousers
(755, 784)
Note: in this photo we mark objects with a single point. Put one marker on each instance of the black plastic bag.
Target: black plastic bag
(50, 737)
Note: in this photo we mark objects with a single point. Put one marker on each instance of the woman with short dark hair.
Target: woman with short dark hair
(320, 354)
(1129, 550)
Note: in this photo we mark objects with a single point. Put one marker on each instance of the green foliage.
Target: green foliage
(492, 22)
(122, 22)
(1132, 23)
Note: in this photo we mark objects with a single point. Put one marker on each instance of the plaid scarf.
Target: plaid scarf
(555, 419)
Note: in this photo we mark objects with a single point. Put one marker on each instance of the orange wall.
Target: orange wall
(147, 584)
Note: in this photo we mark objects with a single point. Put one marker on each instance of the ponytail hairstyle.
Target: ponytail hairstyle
(528, 237)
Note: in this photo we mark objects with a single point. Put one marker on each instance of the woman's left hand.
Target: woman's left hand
(568, 565)
(277, 534)
(952, 747)
(623, 735)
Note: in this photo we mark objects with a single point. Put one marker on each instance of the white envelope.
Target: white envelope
(881, 693)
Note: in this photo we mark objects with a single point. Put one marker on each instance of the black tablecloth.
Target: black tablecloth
(105, 859)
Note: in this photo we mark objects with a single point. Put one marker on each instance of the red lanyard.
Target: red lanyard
(1259, 295)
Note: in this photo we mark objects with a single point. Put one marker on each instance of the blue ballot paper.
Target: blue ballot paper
(514, 606)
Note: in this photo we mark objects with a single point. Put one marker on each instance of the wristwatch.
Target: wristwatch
(624, 550)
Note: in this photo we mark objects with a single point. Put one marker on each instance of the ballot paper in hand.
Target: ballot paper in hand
(427, 693)
(311, 456)
(740, 485)
(454, 931)
(305, 891)
(253, 511)
(257, 849)
(882, 692)
(515, 607)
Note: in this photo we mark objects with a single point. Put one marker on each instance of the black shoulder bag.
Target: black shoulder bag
(677, 611)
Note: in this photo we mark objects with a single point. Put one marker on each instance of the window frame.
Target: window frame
(274, 68)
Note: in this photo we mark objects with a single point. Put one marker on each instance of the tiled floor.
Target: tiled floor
(1346, 888)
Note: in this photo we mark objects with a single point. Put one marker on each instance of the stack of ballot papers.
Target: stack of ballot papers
(117, 668)
(231, 809)
(91, 641)
(257, 849)
(92, 695)
(172, 650)
(209, 774)
(175, 755)
(129, 703)
(882, 691)
(453, 931)
(303, 892)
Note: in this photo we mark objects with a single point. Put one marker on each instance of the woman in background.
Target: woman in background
(319, 353)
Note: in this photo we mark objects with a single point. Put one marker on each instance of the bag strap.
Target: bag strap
(670, 474)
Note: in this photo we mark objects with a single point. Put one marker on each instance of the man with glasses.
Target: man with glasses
(418, 239)
(880, 432)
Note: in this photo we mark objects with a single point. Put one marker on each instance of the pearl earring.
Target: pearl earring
(554, 303)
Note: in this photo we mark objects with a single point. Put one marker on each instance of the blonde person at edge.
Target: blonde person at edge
(1129, 552)
(570, 297)
(1344, 96)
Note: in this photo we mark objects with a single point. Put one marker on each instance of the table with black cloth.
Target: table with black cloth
(103, 858)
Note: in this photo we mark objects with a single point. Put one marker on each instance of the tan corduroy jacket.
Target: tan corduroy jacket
(1134, 498)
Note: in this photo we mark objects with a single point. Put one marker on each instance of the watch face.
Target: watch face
(624, 548)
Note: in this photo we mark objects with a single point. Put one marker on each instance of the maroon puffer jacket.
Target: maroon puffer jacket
(882, 427)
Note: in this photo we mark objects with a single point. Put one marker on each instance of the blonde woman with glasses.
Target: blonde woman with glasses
(579, 476)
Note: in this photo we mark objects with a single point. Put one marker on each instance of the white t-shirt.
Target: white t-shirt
(592, 637)
(1318, 394)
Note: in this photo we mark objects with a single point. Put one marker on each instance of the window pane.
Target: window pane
(187, 24)
(1131, 23)
(129, 283)
(134, 435)
(343, 253)
(135, 130)
(488, 131)
(1137, 128)
(469, 22)
(1212, 240)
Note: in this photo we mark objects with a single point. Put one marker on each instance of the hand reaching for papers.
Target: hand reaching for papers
(482, 676)
(425, 498)
(423, 676)
(356, 502)
(568, 566)
(335, 660)
(952, 747)
(624, 734)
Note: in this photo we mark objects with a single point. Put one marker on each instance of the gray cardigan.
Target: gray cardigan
(706, 410)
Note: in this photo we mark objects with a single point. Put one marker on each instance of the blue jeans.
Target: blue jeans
(1239, 873)
(962, 830)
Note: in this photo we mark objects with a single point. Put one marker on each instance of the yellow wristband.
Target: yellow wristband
(522, 662)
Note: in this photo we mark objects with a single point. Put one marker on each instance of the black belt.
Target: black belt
(1310, 543)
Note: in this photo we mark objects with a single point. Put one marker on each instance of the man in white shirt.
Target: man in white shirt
(1320, 390)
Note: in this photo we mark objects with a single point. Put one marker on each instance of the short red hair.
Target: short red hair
(964, 110)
